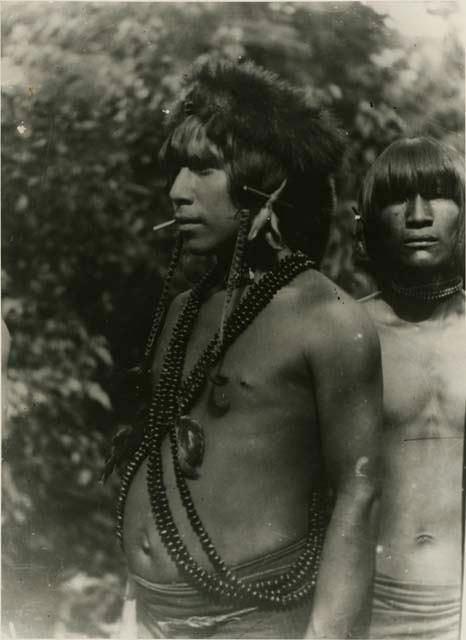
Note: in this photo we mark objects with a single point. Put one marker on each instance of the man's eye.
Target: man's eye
(435, 195)
(395, 200)
(206, 171)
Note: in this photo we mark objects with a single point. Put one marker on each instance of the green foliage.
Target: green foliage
(84, 88)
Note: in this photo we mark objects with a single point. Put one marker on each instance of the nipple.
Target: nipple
(145, 546)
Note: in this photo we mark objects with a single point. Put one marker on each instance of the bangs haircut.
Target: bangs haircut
(188, 145)
(410, 166)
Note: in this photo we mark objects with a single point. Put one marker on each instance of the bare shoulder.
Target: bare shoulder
(379, 309)
(173, 311)
(334, 314)
(338, 337)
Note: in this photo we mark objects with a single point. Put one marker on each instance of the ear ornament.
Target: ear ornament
(266, 214)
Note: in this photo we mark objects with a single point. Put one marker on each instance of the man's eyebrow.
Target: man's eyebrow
(198, 159)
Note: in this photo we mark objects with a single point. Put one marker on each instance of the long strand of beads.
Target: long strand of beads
(236, 271)
(293, 577)
(257, 297)
(160, 311)
(267, 592)
(306, 563)
(218, 587)
(157, 406)
(299, 571)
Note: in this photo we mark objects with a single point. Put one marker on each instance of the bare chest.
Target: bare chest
(262, 366)
(424, 378)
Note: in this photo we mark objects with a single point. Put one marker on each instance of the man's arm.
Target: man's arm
(345, 363)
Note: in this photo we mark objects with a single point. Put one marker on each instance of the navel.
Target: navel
(145, 546)
(424, 538)
(245, 383)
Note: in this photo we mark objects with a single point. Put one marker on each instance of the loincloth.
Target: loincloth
(402, 610)
(178, 610)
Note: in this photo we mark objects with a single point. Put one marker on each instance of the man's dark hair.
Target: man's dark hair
(406, 167)
(262, 131)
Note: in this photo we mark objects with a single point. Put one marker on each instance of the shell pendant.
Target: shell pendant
(191, 445)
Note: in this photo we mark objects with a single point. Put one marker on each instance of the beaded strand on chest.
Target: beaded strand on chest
(172, 398)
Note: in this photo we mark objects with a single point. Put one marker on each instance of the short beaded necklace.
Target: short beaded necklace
(171, 399)
(429, 292)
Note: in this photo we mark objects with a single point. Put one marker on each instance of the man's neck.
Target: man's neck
(223, 262)
(427, 303)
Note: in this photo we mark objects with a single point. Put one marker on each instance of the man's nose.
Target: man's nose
(180, 191)
(419, 212)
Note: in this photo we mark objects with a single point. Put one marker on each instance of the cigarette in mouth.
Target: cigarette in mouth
(162, 225)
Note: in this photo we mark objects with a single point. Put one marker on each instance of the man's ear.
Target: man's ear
(273, 235)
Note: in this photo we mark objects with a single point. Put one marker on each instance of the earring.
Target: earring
(265, 214)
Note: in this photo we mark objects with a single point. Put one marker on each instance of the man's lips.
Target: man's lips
(187, 222)
(420, 241)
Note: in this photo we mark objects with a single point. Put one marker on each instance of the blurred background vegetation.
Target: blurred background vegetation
(83, 89)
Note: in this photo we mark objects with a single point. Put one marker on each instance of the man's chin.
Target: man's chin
(424, 261)
(198, 250)
(424, 274)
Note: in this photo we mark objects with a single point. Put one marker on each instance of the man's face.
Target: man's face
(421, 234)
(204, 212)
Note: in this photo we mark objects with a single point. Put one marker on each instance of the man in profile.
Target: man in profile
(247, 510)
(413, 213)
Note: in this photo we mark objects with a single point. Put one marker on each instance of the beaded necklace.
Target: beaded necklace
(172, 398)
(429, 292)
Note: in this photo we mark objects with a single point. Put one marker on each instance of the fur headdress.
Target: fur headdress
(263, 111)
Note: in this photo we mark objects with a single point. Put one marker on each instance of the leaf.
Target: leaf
(97, 394)
(103, 354)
